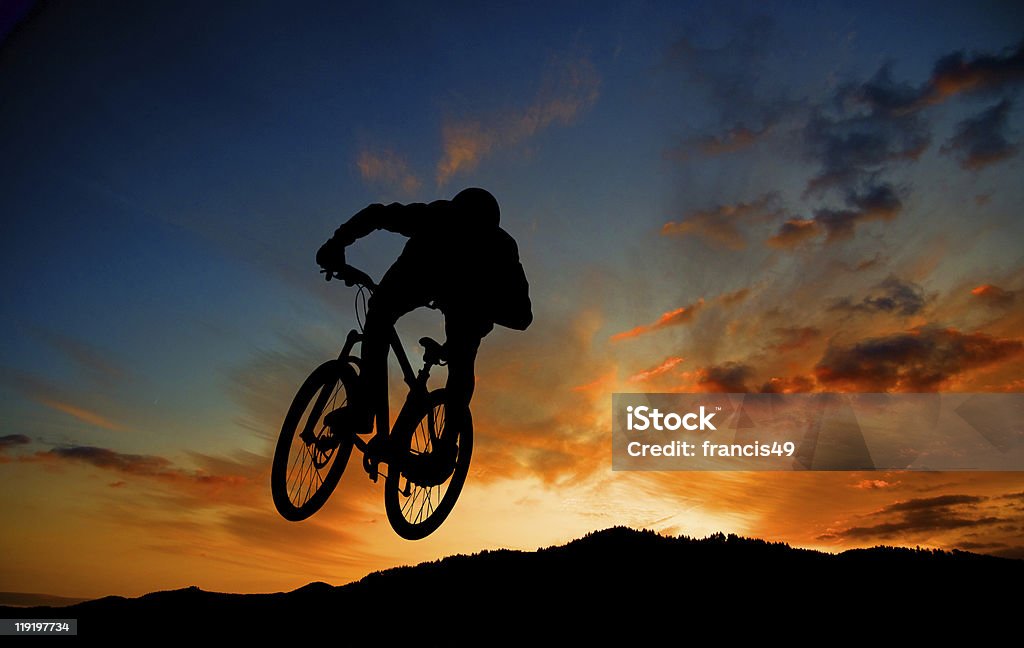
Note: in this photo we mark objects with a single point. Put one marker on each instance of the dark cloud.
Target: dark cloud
(881, 94)
(10, 442)
(111, 460)
(131, 464)
(879, 202)
(728, 377)
(893, 295)
(851, 148)
(919, 360)
(922, 503)
(867, 127)
(982, 140)
(722, 225)
(922, 515)
(13, 440)
(953, 74)
(979, 73)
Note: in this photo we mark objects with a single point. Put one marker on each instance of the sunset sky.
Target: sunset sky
(707, 197)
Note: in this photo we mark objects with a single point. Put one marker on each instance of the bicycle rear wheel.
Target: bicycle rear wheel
(416, 505)
(307, 466)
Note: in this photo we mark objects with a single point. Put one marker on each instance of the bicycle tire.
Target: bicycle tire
(300, 487)
(406, 513)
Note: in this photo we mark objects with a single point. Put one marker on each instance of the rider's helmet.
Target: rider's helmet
(479, 205)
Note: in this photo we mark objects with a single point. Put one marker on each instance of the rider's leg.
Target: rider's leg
(463, 340)
(395, 296)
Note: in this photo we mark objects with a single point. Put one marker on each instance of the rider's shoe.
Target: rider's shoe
(345, 418)
(375, 453)
(445, 448)
(377, 446)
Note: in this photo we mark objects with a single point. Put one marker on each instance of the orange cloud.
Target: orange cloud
(994, 294)
(657, 370)
(82, 414)
(389, 169)
(794, 232)
(788, 385)
(601, 383)
(569, 89)
(681, 315)
(872, 484)
(721, 225)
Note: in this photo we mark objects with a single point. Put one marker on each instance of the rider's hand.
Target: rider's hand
(331, 255)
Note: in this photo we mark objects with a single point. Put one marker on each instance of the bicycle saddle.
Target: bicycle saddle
(433, 351)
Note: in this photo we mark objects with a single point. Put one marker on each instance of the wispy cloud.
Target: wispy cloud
(732, 140)
(82, 414)
(389, 170)
(569, 88)
(657, 370)
(132, 464)
(97, 364)
(676, 317)
(724, 225)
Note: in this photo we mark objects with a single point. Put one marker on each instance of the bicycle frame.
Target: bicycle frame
(417, 383)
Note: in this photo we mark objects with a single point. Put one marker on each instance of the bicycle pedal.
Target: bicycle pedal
(372, 468)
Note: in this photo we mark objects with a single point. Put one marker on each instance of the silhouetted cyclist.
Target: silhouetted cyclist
(457, 259)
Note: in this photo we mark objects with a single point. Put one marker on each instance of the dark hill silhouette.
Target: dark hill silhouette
(613, 583)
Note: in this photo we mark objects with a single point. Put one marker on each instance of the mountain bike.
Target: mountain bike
(426, 469)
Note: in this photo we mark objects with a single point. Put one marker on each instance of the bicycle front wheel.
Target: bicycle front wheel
(307, 462)
(422, 487)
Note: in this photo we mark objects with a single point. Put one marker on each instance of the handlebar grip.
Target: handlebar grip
(351, 276)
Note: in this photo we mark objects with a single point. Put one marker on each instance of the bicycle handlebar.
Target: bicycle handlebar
(351, 276)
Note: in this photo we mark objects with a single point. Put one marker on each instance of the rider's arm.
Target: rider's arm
(406, 220)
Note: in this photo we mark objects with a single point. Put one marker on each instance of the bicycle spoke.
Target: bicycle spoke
(308, 463)
(294, 486)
